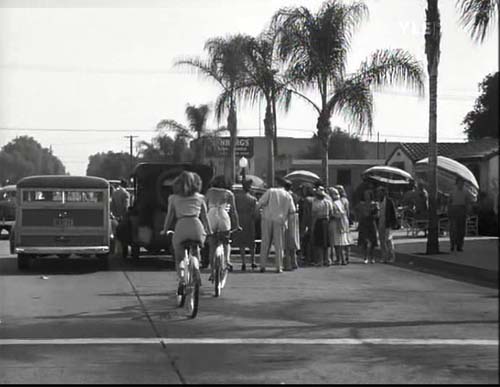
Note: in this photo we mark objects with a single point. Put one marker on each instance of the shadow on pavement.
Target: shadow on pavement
(78, 266)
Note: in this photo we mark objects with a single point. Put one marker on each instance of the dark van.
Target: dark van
(145, 218)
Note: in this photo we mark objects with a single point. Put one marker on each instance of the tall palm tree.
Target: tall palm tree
(196, 129)
(432, 50)
(315, 46)
(262, 81)
(477, 15)
(224, 66)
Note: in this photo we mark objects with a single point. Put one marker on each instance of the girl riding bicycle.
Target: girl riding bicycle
(220, 202)
(187, 207)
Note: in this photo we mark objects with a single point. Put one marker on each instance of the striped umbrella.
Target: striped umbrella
(447, 172)
(387, 175)
(303, 176)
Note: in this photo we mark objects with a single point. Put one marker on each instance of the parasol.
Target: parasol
(303, 176)
(387, 175)
(447, 172)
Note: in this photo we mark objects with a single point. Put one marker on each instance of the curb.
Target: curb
(470, 274)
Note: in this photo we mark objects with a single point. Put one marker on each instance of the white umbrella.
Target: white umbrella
(447, 171)
(387, 175)
(303, 176)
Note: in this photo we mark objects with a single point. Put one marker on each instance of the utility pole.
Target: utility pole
(131, 151)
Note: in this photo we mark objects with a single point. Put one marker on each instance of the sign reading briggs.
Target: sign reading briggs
(244, 146)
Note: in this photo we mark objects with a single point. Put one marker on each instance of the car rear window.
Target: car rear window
(43, 196)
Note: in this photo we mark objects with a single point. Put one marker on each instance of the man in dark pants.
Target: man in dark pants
(458, 206)
(386, 223)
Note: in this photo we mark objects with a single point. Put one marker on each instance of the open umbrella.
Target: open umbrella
(387, 175)
(303, 176)
(447, 172)
(257, 182)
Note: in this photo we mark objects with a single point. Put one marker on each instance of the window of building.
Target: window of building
(344, 177)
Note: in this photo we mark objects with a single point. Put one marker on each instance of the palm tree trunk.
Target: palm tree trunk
(324, 133)
(268, 129)
(275, 125)
(432, 40)
(232, 126)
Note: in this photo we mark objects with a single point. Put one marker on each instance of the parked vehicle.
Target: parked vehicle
(143, 222)
(7, 207)
(62, 215)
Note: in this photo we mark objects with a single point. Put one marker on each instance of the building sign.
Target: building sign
(244, 146)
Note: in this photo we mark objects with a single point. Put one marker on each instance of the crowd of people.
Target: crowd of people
(308, 225)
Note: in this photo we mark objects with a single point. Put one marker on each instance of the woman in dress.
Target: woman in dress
(338, 227)
(347, 206)
(188, 211)
(247, 213)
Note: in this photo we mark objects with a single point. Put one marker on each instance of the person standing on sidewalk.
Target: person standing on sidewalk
(338, 228)
(292, 237)
(458, 206)
(386, 223)
(320, 216)
(246, 208)
(367, 212)
(277, 205)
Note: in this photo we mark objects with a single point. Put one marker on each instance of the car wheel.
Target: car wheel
(135, 252)
(103, 261)
(23, 261)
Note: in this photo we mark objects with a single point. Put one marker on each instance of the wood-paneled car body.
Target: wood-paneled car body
(62, 215)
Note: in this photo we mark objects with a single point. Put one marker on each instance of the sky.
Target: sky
(81, 75)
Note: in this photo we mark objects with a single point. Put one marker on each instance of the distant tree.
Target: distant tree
(24, 156)
(110, 165)
(165, 148)
(482, 120)
(224, 65)
(204, 138)
(342, 145)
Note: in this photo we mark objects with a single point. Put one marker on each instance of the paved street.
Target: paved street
(67, 322)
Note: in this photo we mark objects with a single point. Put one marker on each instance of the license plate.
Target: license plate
(63, 222)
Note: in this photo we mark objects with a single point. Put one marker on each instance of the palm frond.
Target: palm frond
(177, 128)
(477, 16)
(222, 104)
(391, 67)
(206, 68)
(354, 100)
(197, 118)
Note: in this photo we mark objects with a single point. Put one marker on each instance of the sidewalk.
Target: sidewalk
(478, 263)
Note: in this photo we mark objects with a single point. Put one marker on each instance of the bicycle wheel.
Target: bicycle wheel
(217, 277)
(181, 295)
(192, 297)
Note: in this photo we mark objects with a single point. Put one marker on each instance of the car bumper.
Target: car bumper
(63, 250)
(7, 223)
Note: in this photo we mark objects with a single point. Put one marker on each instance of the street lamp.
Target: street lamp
(243, 163)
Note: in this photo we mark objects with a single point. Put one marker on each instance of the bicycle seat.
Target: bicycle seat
(189, 243)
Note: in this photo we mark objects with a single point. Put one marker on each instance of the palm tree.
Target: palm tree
(224, 66)
(196, 129)
(315, 46)
(263, 82)
(476, 15)
(432, 44)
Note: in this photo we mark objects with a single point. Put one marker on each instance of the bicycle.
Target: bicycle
(220, 267)
(188, 291)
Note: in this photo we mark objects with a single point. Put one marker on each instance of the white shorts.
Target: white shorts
(219, 219)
